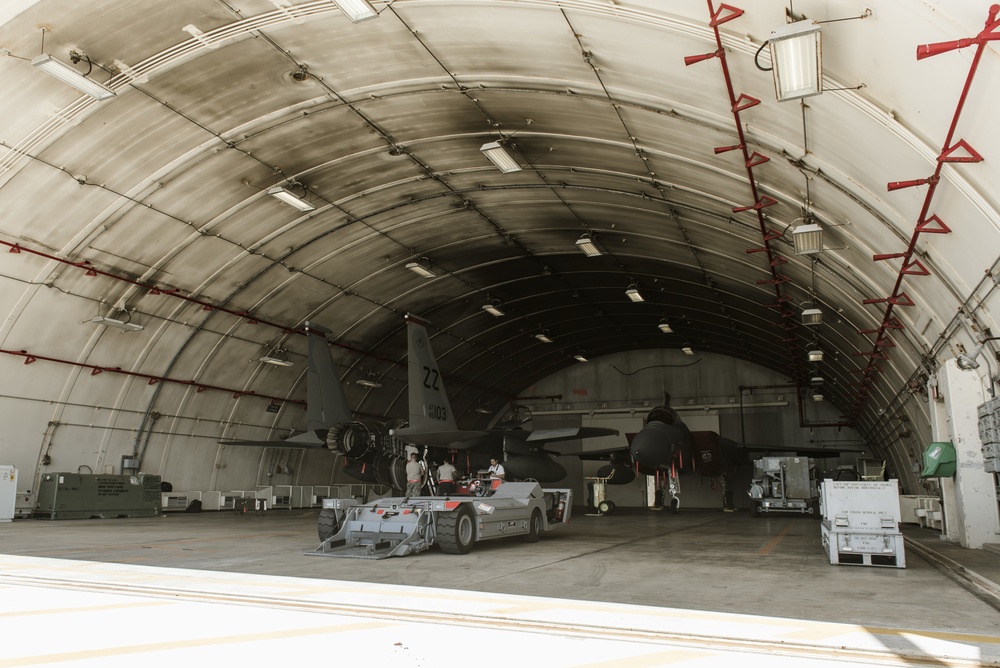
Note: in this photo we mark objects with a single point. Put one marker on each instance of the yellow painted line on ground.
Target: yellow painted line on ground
(186, 644)
(774, 543)
(82, 608)
(657, 659)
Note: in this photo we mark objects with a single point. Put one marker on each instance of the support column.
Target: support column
(971, 510)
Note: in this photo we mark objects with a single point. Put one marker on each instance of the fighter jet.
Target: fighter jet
(371, 454)
(666, 448)
(432, 422)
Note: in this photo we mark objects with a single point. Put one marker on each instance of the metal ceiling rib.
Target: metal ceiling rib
(387, 150)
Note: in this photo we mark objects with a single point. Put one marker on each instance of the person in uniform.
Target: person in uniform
(446, 478)
(496, 469)
(414, 476)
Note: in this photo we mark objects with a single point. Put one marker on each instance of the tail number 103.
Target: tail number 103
(436, 412)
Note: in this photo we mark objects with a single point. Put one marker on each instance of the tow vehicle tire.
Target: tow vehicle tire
(328, 525)
(534, 526)
(456, 532)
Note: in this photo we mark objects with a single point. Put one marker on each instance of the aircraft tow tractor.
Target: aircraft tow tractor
(397, 526)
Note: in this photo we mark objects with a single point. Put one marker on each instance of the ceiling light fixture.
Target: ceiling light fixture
(420, 269)
(543, 337)
(816, 380)
(124, 325)
(290, 198)
(499, 156)
(812, 316)
(665, 327)
(580, 358)
(586, 244)
(817, 397)
(276, 357)
(807, 239)
(364, 382)
(492, 306)
(633, 293)
(815, 355)
(65, 73)
(356, 10)
(796, 59)
(687, 350)
(968, 362)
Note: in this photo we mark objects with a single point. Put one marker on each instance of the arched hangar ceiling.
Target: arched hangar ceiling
(153, 204)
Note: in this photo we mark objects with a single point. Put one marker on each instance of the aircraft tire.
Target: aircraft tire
(534, 526)
(754, 509)
(328, 524)
(456, 531)
(605, 507)
(675, 505)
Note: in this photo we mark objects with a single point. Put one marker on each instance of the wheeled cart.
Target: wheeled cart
(397, 526)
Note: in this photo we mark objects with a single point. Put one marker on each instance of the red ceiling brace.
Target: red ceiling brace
(718, 19)
(953, 152)
(971, 154)
(938, 226)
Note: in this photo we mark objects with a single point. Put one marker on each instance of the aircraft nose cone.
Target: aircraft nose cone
(654, 446)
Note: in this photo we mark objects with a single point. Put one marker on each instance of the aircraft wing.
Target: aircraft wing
(455, 439)
(306, 440)
(604, 455)
(816, 453)
(566, 434)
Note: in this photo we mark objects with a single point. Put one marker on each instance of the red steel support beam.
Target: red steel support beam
(952, 151)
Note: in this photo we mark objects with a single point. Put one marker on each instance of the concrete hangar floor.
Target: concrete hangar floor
(635, 588)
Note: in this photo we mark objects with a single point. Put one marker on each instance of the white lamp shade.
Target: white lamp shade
(796, 59)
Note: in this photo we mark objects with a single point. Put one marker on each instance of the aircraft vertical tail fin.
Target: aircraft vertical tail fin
(326, 401)
(430, 410)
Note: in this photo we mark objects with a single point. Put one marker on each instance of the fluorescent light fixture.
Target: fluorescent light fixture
(687, 350)
(482, 410)
(123, 325)
(364, 382)
(543, 337)
(276, 361)
(796, 59)
(420, 269)
(633, 294)
(68, 75)
(288, 197)
(356, 10)
(499, 156)
(665, 327)
(493, 308)
(807, 239)
(812, 316)
(580, 358)
(817, 397)
(586, 244)
(815, 355)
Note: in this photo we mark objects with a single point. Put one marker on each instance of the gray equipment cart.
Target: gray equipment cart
(784, 484)
(397, 526)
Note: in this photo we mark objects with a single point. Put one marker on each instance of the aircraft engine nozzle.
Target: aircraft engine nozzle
(352, 439)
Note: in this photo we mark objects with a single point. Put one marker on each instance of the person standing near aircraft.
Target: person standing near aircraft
(496, 470)
(414, 476)
(446, 478)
